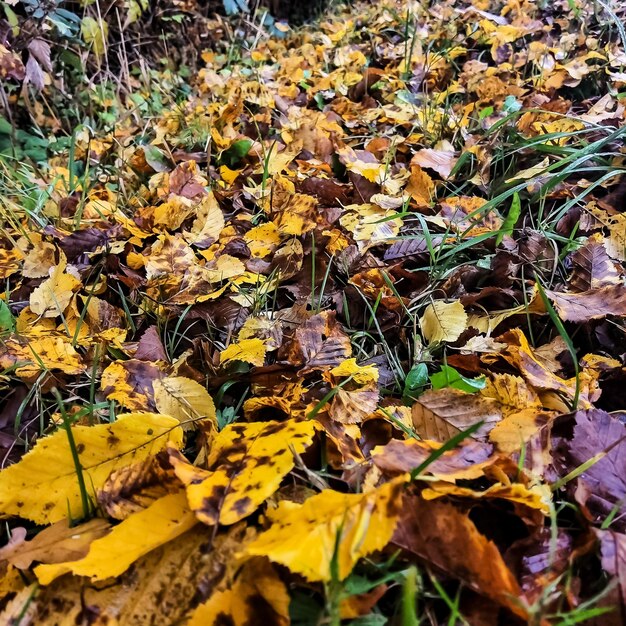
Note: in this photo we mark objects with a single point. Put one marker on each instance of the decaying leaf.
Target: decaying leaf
(440, 414)
(449, 541)
(247, 463)
(257, 591)
(57, 543)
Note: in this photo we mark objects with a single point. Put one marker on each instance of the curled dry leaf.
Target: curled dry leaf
(55, 544)
(448, 540)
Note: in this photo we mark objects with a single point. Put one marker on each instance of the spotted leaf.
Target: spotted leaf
(44, 487)
(247, 463)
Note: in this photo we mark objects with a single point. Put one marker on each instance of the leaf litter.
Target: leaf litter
(356, 355)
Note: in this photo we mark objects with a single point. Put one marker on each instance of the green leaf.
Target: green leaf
(510, 220)
(414, 383)
(449, 377)
(7, 321)
(236, 152)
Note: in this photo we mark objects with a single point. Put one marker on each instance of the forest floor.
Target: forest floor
(330, 331)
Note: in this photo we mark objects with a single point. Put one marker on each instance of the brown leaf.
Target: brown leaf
(466, 461)
(55, 544)
(319, 344)
(448, 540)
(592, 267)
(602, 486)
(439, 414)
(150, 346)
(590, 305)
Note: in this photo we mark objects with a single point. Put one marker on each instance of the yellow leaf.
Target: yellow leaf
(257, 591)
(262, 239)
(360, 374)
(184, 399)
(247, 350)
(46, 352)
(131, 383)
(443, 321)
(305, 537)
(113, 554)
(208, 224)
(95, 33)
(53, 296)
(247, 463)
(536, 497)
(43, 486)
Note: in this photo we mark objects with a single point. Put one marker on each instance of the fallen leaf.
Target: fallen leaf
(247, 463)
(442, 413)
(257, 591)
(590, 305)
(44, 487)
(185, 399)
(56, 543)
(448, 540)
(54, 295)
(142, 532)
(306, 538)
(443, 321)
(247, 350)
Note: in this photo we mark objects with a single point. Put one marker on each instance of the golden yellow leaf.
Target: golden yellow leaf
(247, 463)
(113, 554)
(443, 321)
(247, 350)
(9, 262)
(510, 391)
(421, 187)
(262, 239)
(257, 591)
(516, 429)
(185, 399)
(44, 352)
(43, 486)
(131, 383)
(536, 497)
(208, 224)
(360, 374)
(305, 537)
(53, 296)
